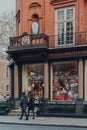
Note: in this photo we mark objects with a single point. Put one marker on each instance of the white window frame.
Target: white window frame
(7, 71)
(7, 88)
(65, 21)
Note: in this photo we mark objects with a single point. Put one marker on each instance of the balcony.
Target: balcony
(68, 40)
(41, 47)
(26, 41)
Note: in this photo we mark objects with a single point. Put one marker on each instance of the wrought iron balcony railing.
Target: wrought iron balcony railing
(68, 39)
(26, 41)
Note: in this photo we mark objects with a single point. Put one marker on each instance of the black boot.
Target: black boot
(20, 118)
(27, 118)
(33, 118)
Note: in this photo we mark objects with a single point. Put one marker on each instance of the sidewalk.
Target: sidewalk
(47, 121)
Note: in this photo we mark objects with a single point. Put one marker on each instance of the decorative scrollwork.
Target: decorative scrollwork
(53, 2)
(35, 4)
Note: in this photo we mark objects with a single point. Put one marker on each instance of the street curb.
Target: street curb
(42, 124)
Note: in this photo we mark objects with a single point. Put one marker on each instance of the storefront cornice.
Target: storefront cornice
(66, 48)
(31, 55)
(74, 53)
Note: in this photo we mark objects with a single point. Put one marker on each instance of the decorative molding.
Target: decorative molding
(18, 15)
(35, 4)
(57, 2)
(68, 54)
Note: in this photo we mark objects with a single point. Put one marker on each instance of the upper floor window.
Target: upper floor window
(7, 71)
(7, 88)
(35, 24)
(35, 27)
(65, 25)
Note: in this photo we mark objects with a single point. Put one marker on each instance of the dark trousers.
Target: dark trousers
(23, 113)
(30, 109)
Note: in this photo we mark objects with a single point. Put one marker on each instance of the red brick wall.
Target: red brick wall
(46, 13)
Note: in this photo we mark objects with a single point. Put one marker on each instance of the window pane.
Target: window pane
(7, 71)
(60, 27)
(69, 33)
(7, 88)
(60, 15)
(69, 14)
(61, 39)
(61, 33)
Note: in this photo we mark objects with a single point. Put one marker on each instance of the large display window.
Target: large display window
(65, 80)
(33, 79)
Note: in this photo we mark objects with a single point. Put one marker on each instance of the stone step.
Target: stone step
(17, 112)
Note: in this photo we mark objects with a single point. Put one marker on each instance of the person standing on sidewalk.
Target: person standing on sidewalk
(23, 105)
(31, 106)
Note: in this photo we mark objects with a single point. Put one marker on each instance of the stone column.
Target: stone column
(10, 80)
(79, 102)
(51, 82)
(80, 89)
(85, 81)
(15, 81)
(46, 80)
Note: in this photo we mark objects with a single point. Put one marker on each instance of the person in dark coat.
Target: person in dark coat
(23, 105)
(31, 107)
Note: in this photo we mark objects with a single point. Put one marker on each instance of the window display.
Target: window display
(65, 81)
(34, 73)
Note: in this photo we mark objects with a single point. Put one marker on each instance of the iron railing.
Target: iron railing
(69, 39)
(27, 41)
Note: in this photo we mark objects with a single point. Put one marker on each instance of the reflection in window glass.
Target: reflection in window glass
(65, 81)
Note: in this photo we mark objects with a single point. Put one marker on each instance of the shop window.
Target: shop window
(65, 81)
(33, 79)
(65, 26)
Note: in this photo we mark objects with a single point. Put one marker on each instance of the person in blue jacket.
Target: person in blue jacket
(23, 105)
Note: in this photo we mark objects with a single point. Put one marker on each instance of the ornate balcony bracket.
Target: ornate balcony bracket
(57, 2)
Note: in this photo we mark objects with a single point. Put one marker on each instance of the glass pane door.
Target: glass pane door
(69, 32)
(61, 33)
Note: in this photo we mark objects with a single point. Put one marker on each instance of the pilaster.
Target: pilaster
(46, 81)
(80, 89)
(15, 81)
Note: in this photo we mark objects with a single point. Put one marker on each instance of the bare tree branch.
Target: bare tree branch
(7, 28)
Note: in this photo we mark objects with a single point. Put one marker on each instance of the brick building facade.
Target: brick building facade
(49, 51)
(4, 75)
